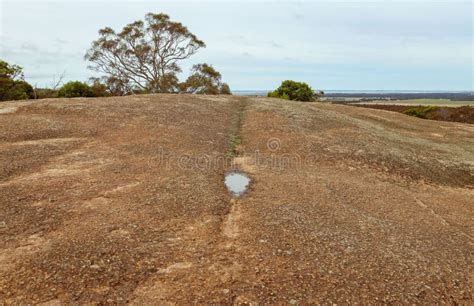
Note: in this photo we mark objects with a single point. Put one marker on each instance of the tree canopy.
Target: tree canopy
(204, 79)
(12, 83)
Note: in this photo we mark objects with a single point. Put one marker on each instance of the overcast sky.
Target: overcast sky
(404, 45)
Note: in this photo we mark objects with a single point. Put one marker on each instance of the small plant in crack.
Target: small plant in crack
(235, 139)
(234, 142)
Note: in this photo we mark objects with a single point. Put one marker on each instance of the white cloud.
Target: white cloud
(332, 43)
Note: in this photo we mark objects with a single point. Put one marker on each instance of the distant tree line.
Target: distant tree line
(142, 58)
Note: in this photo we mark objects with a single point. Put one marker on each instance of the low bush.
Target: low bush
(75, 89)
(15, 90)
(46, 93)
(225, 89)
(99, 89)
(291, 90)
(420, 111)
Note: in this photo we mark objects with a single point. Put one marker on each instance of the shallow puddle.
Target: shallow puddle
(237, 183)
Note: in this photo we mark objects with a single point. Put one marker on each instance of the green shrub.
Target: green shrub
(15, 90)
(98, 88)
(420, 111)
(75, 89)
(271, 94)
(291, 90)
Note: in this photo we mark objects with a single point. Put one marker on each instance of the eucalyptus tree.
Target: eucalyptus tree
(144, 55)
